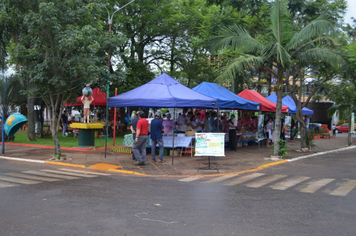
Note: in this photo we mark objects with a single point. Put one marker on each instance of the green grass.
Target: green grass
(64, 141)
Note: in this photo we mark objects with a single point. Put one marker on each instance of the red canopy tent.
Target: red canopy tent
(99, 96)
(266, 105)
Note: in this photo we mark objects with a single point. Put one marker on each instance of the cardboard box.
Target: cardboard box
(176, 152)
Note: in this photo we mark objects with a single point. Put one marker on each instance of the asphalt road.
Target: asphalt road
(313, 196)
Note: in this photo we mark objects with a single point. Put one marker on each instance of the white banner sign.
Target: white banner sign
(210, 144)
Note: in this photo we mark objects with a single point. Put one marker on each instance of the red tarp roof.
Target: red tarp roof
(99, 96)
(266, 105)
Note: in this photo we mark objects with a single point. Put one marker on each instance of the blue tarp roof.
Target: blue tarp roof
(226, 98)
(288, 101)
(163, 91)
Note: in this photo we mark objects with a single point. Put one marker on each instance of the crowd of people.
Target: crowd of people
(197, 120)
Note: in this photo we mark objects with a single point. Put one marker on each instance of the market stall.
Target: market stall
(289, 102)
(163, 92)
(266, 105)
(226, 98)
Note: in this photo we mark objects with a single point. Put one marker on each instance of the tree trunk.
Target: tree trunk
(303, 135)
(349, 135)
(41, 120)
(31, 135)
(277, 130)
(54, 130)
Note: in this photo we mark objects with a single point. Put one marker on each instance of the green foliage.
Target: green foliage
(310, 138)
(283, 145)
(284, 47)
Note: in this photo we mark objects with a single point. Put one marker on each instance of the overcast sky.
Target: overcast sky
(351, 11)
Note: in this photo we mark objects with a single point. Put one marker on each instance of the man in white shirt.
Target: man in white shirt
(182, 121)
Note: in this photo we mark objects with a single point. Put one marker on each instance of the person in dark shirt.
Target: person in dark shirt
(283, 129)
(133, 130)
(64, 120)
(156, 137)
(292, 129)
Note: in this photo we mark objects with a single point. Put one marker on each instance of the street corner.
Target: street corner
(64, 164)
(114, 168)
(104, 167)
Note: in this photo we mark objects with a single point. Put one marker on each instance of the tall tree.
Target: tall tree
(284, 46)
(63, 54)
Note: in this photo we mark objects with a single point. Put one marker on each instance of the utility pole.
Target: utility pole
(110, 21)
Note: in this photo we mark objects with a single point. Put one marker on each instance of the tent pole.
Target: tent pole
(218, 119)
(114, 131)
(174, 112)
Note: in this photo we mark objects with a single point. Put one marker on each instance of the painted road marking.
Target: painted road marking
(189, 179)
(50, 175)
(18, 180)
(85, 172)
(316, 185)
(264, 181)
(221, 178)
(32, 177)
(245, 178)
(283, 185)
(104, 167)
(69, 173)
(344, 188)
(5, 185)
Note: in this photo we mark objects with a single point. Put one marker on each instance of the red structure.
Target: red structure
(266, 105)
(100, 99)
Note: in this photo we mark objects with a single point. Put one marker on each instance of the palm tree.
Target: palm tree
(344, 104)
(283, 47)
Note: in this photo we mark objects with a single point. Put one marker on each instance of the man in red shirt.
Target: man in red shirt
(139, 145)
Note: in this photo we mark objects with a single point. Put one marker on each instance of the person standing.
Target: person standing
(232, 133)
(199, 123)
(269, 130)
(182, 121)
(141, 139)
(239, 124)
(168, 125)
(206, 122)
(64, 120)
(133, 130)
(156, 137)
(292, 129)
(86, 102)
(333, 127)
(282, 136)
(213, 122)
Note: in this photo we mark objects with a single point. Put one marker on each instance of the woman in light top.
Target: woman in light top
(168, 125)
(86, 102)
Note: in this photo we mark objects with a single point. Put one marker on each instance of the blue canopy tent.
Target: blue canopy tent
(163, 91)
(226, 98)
(288, 101)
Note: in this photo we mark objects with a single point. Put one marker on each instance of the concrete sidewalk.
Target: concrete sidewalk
(244, 159)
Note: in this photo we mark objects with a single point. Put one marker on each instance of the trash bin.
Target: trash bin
(86, 138)
(38, 127)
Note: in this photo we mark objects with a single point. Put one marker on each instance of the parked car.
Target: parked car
(344, 128)
(314, 126)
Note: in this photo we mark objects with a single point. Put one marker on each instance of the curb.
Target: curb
(179, 176)
(321, 153)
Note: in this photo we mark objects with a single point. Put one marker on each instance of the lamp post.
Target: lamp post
(110, 20)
